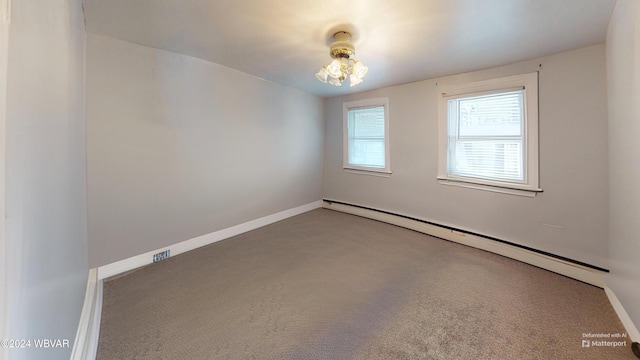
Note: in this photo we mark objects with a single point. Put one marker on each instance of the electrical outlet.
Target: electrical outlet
(161, 256)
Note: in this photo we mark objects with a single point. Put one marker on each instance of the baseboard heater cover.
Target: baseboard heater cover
(574, 269)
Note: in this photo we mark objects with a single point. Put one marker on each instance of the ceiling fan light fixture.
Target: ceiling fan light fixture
(343, 64)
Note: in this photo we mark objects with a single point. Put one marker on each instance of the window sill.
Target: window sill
(492, 188)
(380, 173)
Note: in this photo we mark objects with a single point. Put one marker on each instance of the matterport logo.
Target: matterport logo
(596, 340)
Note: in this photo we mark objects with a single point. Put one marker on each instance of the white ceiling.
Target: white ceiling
(286, 41)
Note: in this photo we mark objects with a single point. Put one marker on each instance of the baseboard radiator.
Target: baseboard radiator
(573, 269)
(585, 273)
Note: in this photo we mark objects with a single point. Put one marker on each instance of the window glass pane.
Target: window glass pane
(491, 115)
(368, 122)
(490, 159)
(367, 153)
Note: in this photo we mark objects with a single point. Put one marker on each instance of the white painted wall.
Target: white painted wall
(47, 260)
(180, 147)
(4, 50)
(623, 75)
(573, 161)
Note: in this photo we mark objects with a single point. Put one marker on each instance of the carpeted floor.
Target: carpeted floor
(327, 285)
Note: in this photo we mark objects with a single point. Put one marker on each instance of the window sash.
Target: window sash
(524, 182)
(366, 139)
(501, 160)
(366, 136)
(371, 152)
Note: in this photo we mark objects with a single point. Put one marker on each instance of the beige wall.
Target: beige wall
(180, 147)
(573, 161)
(45, 175)
(4, 50)
(623, 71)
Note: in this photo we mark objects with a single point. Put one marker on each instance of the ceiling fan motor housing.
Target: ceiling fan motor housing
(342, 46)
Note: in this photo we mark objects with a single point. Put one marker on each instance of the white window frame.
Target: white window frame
(384, 102)
(528, 82)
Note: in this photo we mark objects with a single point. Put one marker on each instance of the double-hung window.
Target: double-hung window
(366, 135)
(489, 135)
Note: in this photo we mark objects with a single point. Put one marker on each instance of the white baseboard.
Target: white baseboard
(137, 261)
(85, 345)
(566, 268)
(632, 330)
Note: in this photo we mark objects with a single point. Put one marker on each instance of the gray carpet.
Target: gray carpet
(327, 285)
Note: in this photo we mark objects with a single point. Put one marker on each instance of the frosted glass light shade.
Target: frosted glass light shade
(335, 81)
(322, 74)
(354, 80)
(359, 70)
(335, 68)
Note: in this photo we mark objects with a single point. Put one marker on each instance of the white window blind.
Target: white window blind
(366, 137)
(486, 136)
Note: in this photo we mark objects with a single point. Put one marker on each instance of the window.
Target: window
(489, 135)
(366, 136)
